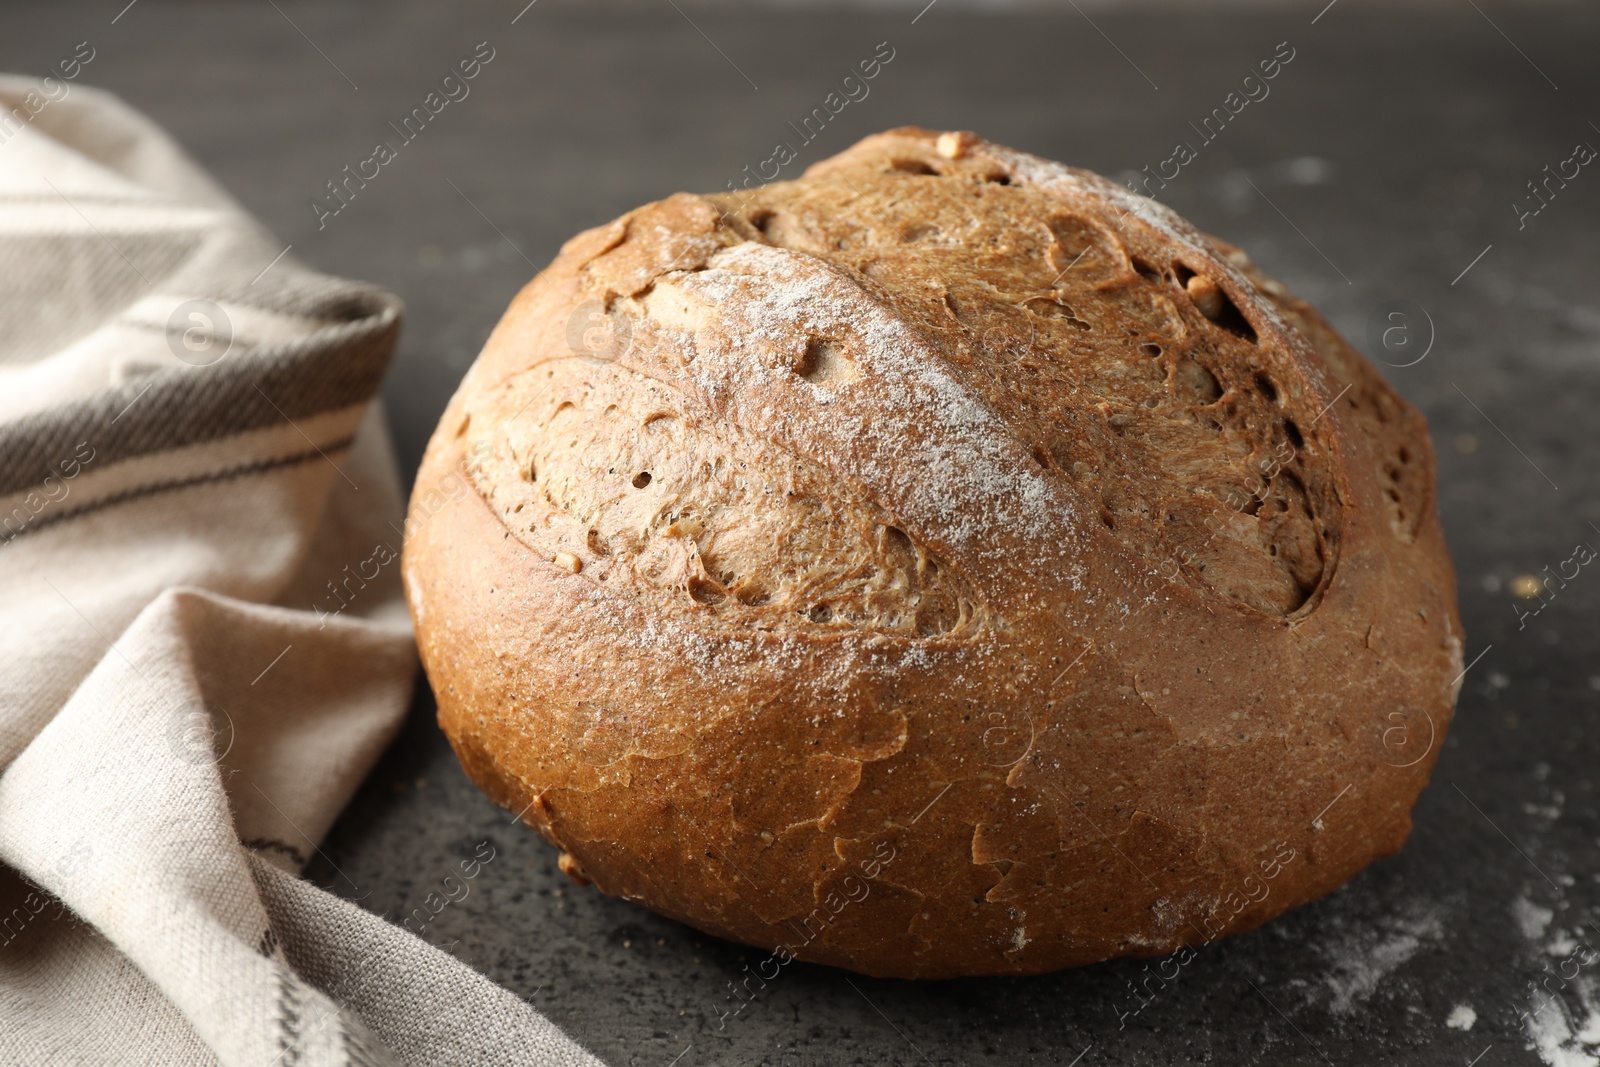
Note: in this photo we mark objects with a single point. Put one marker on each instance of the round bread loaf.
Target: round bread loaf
(946, 563)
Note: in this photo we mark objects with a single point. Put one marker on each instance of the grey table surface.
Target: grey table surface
(1383, 165)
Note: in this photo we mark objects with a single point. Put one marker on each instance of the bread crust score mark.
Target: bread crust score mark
(950, 505)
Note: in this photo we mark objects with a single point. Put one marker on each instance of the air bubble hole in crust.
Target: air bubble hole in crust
(1404, 487)
(897, 537)
(1230, 318)
(1148, 272)
(1056, 308)
(913, 166)
(824, 360)
(705, 591)
(1082, 253)
(1197, 382)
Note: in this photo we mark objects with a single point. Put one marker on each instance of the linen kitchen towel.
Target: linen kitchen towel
(190, 460)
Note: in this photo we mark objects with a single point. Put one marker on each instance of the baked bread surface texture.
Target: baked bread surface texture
(946, 563)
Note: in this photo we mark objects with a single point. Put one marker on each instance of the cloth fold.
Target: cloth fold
(203, 642)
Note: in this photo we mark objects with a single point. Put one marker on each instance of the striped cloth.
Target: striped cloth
(203, 642)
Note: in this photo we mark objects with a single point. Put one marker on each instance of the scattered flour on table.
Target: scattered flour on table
(1363, 956)
(1532, 919)
(1557, 1035)
(1558, 1002)
(1461, 1017)
(1563, 1033)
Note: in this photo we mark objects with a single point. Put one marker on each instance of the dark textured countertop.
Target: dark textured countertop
(1384, 162)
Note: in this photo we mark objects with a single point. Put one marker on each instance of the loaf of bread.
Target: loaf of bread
(946, 563)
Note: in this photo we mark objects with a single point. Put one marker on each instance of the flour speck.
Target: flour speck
(1532, 919)
(1363, 956)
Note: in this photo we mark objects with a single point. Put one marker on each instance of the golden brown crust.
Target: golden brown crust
(946, 563)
